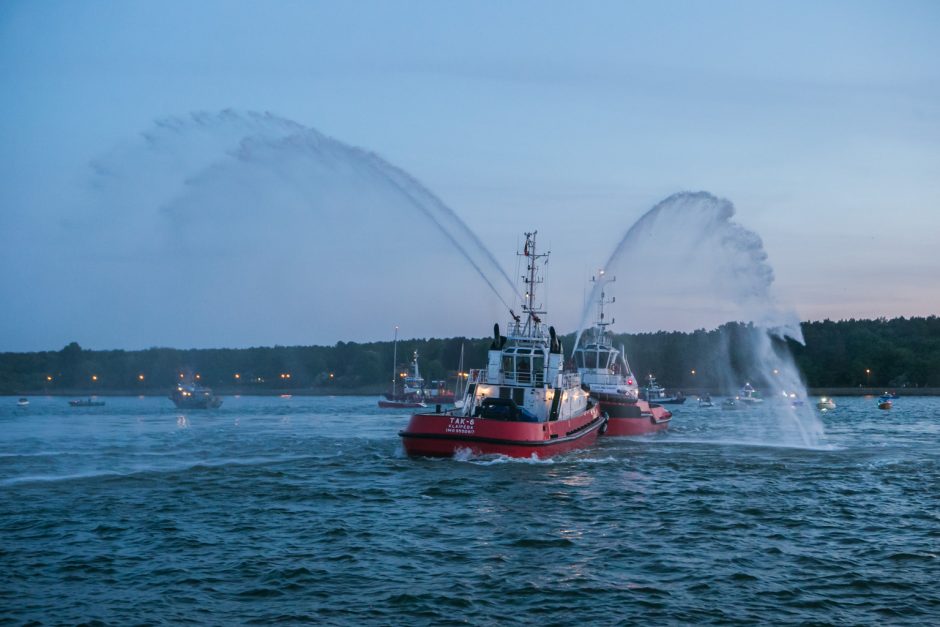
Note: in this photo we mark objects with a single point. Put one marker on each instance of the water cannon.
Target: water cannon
(498, 340)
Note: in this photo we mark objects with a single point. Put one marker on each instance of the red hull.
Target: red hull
(443, 435)
(634, 418)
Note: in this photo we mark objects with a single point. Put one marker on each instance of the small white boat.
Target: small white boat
(826, 404)
(749, 395)
(23, 402)
(705, 400)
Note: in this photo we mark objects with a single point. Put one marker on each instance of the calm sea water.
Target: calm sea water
(304, 510)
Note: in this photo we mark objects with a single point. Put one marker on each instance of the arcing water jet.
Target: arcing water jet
(687, 254)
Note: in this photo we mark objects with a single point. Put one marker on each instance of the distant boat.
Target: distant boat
(826, 404)
(793, 399)
(86, 402)
(730, 403)
(749, 395)
(23, 402)
(193, 396)
(705, 400)
(884, 401)
(654, 393)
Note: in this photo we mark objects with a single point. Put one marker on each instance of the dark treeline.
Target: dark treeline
(901, 352)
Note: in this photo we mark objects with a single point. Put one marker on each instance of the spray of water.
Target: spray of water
(231, 200)
(687, 254)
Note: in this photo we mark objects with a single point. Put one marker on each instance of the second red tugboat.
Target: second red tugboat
(605, 371)
(523, 404)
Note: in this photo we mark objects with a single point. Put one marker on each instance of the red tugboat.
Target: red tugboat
(523, 404)
(605, 370)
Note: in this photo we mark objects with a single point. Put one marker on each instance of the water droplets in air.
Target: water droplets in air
(688, 254)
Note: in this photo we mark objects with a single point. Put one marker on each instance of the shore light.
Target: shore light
(140, 377)
(238, 376)
(94, 377)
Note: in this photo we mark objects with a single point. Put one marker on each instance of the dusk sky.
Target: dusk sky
(819, 121)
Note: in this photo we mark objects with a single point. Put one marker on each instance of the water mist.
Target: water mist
(687, 254)
(250, 215)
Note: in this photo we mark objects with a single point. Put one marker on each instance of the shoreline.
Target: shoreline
(368, 391)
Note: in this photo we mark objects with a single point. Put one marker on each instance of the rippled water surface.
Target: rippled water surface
(304, 510)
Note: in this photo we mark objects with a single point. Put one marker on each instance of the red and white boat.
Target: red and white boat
(408, 389)
(410, 392)
(605, 371)
(523, 404)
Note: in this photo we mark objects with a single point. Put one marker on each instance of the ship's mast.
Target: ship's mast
(601, 322)
(395, 364)
(531, 279)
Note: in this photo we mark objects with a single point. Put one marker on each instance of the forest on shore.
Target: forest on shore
(890, 353)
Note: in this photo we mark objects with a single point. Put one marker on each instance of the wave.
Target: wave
(190, 466)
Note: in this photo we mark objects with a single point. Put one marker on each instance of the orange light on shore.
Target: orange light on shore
(331, 375)
(181, 375)
(140, 377)
(198, 376)
(238, 376)
(48, 377)
(94, 377)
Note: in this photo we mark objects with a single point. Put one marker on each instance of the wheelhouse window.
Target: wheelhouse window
(524, 365)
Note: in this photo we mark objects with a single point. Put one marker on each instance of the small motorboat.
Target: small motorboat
(730, 403)
(826, 404)
(22, 402)
(655, 393)
(793, 399)
(86, 402)
(194, 396)
(884, 401)
(749, 395)
(705, 400)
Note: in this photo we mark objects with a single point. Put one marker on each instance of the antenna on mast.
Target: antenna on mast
(531, 279)
(602, 279)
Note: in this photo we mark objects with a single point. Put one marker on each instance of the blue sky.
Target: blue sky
(820, 121)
